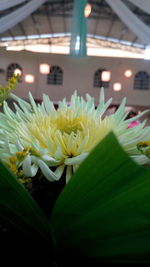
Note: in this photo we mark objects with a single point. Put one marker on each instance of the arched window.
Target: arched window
(98, 79)
(141, 80)
(11, 68)
(55, 76)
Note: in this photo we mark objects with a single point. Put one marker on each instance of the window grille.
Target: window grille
(141, 80)
(98, 79)
(11, 68)
(55, 76)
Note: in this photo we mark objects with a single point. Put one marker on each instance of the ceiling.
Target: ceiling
(54, 16)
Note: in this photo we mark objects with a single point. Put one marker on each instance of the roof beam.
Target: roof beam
(56, 8)
(112, 22)
(97, 19)
(124, 32)
(49, 19)
(64, 21)
(22, 30)
(134, 40)
(11, 34)
(35, 24)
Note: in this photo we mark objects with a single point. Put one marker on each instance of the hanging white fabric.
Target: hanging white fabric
(4, 4)
(138, 27)
(142, 4)
(19, 14)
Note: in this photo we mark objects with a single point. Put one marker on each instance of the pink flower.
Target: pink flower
(132, 124)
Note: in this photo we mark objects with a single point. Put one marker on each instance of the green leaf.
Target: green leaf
(103, 214)
(20, 216)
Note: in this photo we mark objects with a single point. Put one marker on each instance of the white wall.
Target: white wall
(78, 75)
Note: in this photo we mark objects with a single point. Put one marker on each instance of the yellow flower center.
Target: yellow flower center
(69, 123)
(66, 131)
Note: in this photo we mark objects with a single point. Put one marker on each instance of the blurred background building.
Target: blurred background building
(58, 46)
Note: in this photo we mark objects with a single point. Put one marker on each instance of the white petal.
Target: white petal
(68, 173)
(25, 106)
(51, 161)
(49, 175)
(59, 171)
(76, 160)
(138, 116)
(120, 111)
(9, 113)
(49, 107)
(7, 143)
(141, 159)
(19, 146)
(34, 169)
(102, 97)
(27, 168)
(102, 107)
(34, 106)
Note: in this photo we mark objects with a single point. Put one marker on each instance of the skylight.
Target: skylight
(59, 43)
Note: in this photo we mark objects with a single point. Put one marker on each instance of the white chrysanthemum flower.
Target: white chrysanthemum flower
(39, 137)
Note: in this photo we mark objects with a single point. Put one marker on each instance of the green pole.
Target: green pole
(79, 30)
